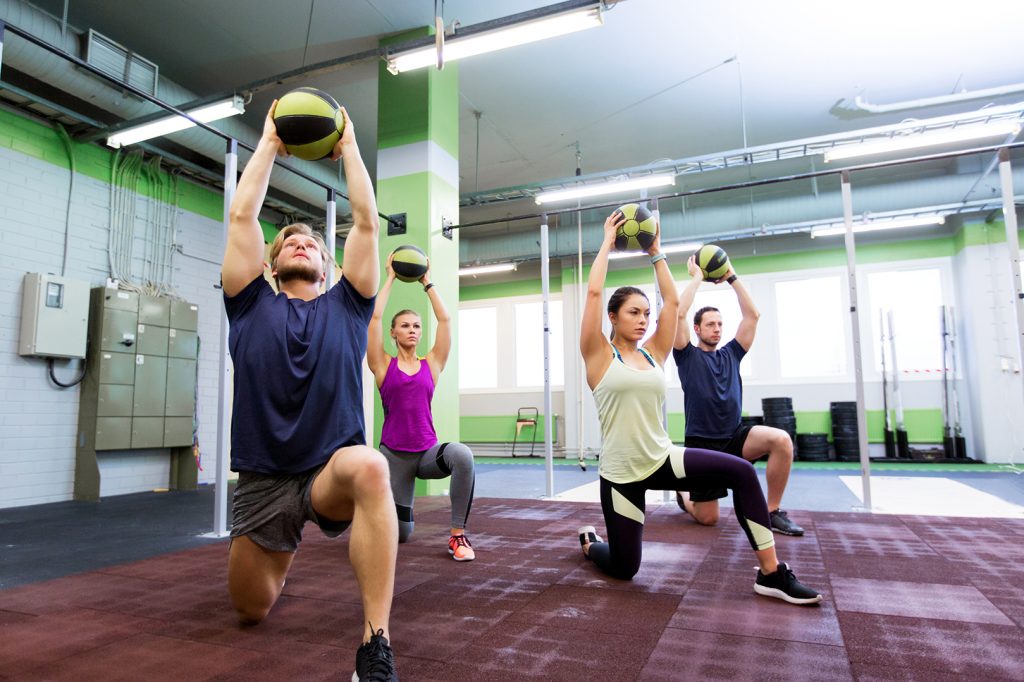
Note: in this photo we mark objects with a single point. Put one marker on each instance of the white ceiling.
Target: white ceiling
(652, 83)
(662, 79)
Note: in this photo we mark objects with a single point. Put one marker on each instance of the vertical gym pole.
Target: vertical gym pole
(549, 463)
(1012, 247)
(220, 493)
(858, 361)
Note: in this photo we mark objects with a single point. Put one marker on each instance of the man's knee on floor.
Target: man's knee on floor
(250, 614)
(705, 515)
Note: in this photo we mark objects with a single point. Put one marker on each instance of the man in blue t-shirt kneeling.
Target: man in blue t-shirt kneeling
(713, 397)
(297, 431)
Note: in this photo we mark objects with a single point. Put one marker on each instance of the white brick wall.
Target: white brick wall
(38, 421)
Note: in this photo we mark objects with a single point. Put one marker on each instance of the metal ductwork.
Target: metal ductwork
(727, 219)
(59, 73)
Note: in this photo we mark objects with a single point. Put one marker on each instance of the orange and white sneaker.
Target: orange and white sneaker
(460, 549)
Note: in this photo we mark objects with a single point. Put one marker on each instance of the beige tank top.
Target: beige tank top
(630, 403)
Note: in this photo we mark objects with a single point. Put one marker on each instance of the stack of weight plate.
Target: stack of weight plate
(844, 431)
(813, 447)
(751, 421)
(778, 412)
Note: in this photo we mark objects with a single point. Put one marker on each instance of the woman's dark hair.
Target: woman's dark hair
(400, 313)
(616, 300)
(700, 313)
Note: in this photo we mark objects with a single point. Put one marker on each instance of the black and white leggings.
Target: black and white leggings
(440, 461)
(624, 505)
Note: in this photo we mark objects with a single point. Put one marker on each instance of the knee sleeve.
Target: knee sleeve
(405, 522)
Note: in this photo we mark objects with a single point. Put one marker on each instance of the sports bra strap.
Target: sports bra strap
(618, 355)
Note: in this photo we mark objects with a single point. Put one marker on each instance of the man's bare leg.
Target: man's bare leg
(356, 485)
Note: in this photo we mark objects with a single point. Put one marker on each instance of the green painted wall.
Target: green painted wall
(92, 160)
(501, 429)
(923, 426)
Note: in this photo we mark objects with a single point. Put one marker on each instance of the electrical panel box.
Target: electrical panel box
(54, 316)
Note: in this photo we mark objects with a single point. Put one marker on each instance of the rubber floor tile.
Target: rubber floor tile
(976, 650)
(596, 610)
(916, 600)
(695, 655)
(664, 568)
(739, 614)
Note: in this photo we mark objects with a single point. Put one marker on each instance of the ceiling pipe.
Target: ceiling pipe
(59, 73)
(706, 221)
(859, 103)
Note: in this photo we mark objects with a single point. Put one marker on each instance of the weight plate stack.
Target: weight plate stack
(778, 412)
(813, 447)
(845, 437)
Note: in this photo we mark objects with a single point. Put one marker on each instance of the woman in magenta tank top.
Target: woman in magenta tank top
(408, 441)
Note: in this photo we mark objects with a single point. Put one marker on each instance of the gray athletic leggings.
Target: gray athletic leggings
(440, 461)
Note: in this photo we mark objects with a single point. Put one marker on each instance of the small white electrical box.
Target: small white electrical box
(54, 316)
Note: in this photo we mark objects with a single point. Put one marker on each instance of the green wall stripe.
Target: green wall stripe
(923, 426)
(521, 287)
(42, 142)
(499, 429)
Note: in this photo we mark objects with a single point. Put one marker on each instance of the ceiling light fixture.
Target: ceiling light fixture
(613, 187)
(175, 123)
(871, 225)
(927, 139)
(671, 248)
(486, 269)
(490, 36)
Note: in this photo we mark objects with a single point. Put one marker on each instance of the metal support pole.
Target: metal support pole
(858, 361)
(330, 237)
(220, 497)
(3, 32)
(549, 464)
(1012, 247)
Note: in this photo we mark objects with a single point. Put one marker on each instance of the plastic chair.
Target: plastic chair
(526, 416)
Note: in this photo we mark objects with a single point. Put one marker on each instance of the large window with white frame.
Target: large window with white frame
(812, 336)
(529, 344)
(478, 347)
(914, 299)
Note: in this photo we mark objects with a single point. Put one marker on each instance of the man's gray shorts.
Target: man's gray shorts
(271, 509)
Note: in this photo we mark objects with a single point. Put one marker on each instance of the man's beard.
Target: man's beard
(707, 341)
(298, 272)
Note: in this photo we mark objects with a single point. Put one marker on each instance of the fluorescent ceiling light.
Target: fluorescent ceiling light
(872, 225)
(520, 33)
(672, 248)
(613, 187)
(486, 269)
(926, 139)
(174, 123)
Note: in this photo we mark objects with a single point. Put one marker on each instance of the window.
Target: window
(812, 341)
(914, 297)
(478, 348)
(529, 318)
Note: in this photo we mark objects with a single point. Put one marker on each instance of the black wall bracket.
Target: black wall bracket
(396, 224)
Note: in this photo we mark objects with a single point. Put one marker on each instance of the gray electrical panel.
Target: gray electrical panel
(54, 316)
(140, 384)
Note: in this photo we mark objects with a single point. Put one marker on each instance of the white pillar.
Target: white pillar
(549, 464)
(858, 361)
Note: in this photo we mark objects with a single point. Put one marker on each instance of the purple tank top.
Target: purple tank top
(408, 424)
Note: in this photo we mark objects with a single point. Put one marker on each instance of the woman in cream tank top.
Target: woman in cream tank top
(637, 455)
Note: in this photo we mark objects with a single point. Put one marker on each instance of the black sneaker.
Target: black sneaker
(782, 524)
(375, 660)
(782, 584)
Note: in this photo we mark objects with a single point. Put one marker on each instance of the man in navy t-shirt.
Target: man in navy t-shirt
(297, 432)
(713, 398)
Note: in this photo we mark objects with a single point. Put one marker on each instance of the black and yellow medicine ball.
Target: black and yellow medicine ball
(409, 263)
(713, 261)
(309, 122)
(639, 230)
